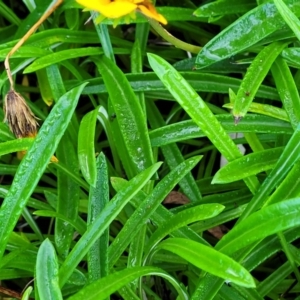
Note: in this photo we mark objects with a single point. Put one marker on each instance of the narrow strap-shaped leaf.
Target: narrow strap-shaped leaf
(15, 145)
(86, 147)
(48, 60)
(136, 247)
(173, 155)
(255, 75)
(97, 256)
(136, 60)
(129, 115)
(265, 109)
(196, 108)
(68, 189)
(68, 196)
(47, 272)
(291, 55)
(9, 14)
(269, 220)
(44, 85)
(188, 129)
(103, 288)
(104, 119)
(209, 260)
(224, 7)
(248, 165)
(34, 16)
(252, 294)
(229, 293)
(160, 215)
(289, 17)
(287, 90)
(26, 294)
(289, 188)
(104, 37)
(274, 279)
(201, 82)
(136, 251)
(240, 35)
(100, 224)
(147, 207)
(187, 216)
(289, 157)
(118, 144)
(35, 162)
(192, 103)
(32, 224)
(142, 34)
(79, 226)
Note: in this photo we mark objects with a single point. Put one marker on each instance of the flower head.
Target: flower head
(115, 9)
(19, 116)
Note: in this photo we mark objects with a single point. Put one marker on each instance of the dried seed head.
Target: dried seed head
(19, 116)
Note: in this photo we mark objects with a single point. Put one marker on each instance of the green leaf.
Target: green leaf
(86, 147)
(255, 75)
(173, 155)
(129, 115)
(33, 17)
(8, 14)
(97, 256)
(291, 20)
(104, 37)
(108, 214)
(60, 56)
(47, 272)
(287, 90)
(26, 294)
(185, 130)
(68, 195)
(209, 260)
(269, 220)
(35, 162)
(103, 288)
(290, 155)
(189, 215)
(224, 7)
(290, 186)
(248, 165)
(264, 109)
(15, 145)
(245, 32)
(201, 82)
(24, 52)
(291, 55)
(52, 214)
(197, 109)
(147, 207)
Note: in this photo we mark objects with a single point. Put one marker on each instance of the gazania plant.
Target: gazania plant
(150, 150)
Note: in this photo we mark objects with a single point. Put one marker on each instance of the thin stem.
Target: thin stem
(25, 37)
(172, 39)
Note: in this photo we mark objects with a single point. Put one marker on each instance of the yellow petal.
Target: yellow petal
(150, 11)
(110, 9)
(93, 4)
(118, 9)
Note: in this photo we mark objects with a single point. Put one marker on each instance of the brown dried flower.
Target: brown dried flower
(21, 120)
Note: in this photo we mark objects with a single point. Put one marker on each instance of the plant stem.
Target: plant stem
(172, 39)
(25, 37)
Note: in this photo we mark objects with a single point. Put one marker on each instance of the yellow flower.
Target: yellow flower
(114, 9)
